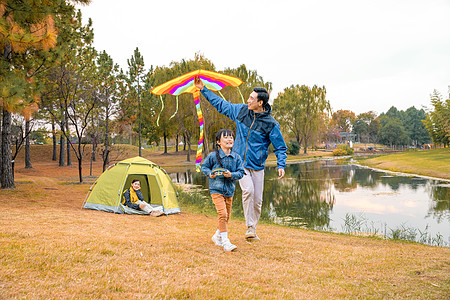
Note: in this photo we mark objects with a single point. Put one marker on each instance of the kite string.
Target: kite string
(162, 107)
(175, 110)
(242, 97)
(221, 95)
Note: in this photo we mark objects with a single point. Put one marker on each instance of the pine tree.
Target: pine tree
(28, 31)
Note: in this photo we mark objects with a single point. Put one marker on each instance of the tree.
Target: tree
(72, 81)
(414, 126)
(362, 125)
(344, 119)
(28, 30)
(136, 76)
(108, 96)
(300, 109)
(437, 121)
(392, 132)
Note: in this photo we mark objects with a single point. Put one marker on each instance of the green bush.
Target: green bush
(293, 147)
(343, 150)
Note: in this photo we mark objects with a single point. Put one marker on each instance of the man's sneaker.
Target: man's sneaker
(254, 239)
(217, 239)
(251, 232)
(228, 246)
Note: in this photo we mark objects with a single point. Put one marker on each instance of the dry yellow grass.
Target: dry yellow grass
(51, 248)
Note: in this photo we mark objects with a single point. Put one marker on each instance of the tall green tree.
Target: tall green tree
(392, 132)
(28, 31)
(299, 110)
(362, 125)
(414, 126)
(136, 77)
(71, 95)
(107, 94)
(437, 121)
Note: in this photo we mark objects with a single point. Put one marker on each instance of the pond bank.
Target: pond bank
(434, 163)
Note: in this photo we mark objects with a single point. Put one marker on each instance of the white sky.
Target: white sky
(369, 54)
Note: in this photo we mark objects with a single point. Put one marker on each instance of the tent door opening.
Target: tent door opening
(149, 187)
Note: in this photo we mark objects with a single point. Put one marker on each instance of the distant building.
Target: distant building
(347, 137)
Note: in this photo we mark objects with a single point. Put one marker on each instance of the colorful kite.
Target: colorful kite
(185, 84)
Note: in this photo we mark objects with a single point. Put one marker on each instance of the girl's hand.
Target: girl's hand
(227, 174)
(211, 175)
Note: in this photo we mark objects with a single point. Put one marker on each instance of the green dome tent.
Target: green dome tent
(157, 188)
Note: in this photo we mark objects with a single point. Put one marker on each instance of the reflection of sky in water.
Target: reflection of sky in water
(396, 208)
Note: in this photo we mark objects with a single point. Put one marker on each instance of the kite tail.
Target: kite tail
(198, 158)
(242, 97)
(162, 107)
(175, 110)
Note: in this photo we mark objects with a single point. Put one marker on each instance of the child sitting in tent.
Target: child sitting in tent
(134, 199)
(223, 167)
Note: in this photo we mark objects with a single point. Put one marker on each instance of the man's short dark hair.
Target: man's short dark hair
(263, 95)
(135, 180)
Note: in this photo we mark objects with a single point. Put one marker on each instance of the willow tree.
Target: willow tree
(299, 110)
(180, 119)
(28, 30)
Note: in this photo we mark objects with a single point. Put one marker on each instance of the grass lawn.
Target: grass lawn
(51, 248)
(434, 163)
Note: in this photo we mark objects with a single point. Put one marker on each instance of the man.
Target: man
(134, 199)
(255, 130)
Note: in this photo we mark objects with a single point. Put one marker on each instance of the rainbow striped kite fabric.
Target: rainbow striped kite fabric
(185, 84)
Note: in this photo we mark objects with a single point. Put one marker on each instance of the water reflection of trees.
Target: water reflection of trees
(303, 197)
(306, 196)
(440, 207)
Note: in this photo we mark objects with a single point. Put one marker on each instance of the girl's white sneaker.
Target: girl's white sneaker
(217, 239)
(228, 246)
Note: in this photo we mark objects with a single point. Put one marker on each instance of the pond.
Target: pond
(335, 195)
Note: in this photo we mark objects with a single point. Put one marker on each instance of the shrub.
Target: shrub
(293, 147)
(343, 150)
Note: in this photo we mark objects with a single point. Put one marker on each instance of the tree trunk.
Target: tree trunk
(188, 138)
(7, 176)
(94, 147)
(62, 153)
(54, 140)
(140, 142)
(69, 159)
(165, 142)
(184, 142)
(176, 144)
(105, 159)
(105, 153)
(1, 143)
(80, 161)
(27, 146)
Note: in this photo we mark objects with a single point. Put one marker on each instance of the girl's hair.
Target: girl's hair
(220, 133)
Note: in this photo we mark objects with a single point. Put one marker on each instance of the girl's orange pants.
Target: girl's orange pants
(223, 207)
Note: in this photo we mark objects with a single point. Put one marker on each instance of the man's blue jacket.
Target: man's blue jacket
(254, 132)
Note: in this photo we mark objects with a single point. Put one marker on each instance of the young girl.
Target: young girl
(223, 167)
